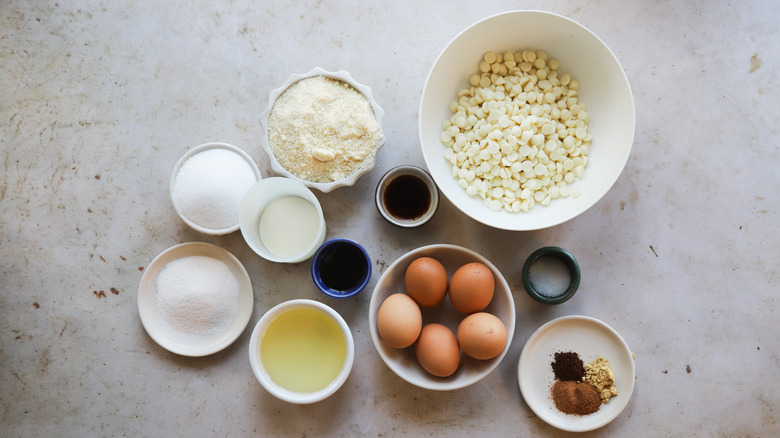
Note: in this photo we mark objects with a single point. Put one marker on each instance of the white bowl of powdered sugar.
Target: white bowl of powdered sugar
(322, 129)
(195, 299)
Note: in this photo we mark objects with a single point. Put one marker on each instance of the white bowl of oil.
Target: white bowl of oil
(301, 351)
(282, 220)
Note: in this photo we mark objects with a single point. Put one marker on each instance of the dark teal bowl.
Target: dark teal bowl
(551, 275)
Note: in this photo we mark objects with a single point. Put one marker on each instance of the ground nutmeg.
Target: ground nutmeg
(568, 366)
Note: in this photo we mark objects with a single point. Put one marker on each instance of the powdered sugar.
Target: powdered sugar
(210, 185)
(197, 297)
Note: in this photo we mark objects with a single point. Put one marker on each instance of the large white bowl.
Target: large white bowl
(604, 89)
(340, 76)
(403, 361)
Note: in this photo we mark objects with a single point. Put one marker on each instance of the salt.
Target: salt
(210, 185)
(549, 276)
(197, 298)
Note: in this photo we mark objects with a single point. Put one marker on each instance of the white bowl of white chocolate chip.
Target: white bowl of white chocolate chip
(526, 120)
(322, 129)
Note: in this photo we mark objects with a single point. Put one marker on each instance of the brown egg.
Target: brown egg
(437, 350)
(482, 335)
(399, 320)
(426, 281)
(471, 288)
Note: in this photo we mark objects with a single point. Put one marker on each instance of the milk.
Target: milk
(288, 226)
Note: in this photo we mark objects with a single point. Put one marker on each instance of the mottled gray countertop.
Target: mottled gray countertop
(99, 99)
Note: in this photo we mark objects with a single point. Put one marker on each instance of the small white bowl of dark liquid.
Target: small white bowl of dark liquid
(407, 196)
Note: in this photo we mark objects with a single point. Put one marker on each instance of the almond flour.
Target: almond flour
(323, 130)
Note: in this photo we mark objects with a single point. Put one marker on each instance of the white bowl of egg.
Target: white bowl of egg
(282, 220)
(442, 317)
(322, 129)
(526, 120)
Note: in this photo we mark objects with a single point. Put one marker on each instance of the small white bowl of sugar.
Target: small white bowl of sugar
(207, 184)
(282, 220)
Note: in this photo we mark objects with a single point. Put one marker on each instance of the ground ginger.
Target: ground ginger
(599, 374)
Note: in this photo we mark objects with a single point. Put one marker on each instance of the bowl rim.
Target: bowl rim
(340, 75)
(175, 172)
(490, 364)
(315, 262)
(296, 189)
(262, 376)
(401, 170)
(490, 219)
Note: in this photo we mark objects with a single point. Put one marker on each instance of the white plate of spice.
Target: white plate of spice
(590, 339)
(195, 299)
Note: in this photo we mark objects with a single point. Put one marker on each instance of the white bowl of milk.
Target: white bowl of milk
(282, 220)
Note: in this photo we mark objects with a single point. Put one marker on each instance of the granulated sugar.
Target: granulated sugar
(323, 130)
(210, 185)
(197, 297)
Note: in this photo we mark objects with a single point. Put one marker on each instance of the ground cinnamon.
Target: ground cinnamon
(575, 398)
(568, 366)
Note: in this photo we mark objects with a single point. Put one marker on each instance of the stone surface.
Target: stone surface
(99, 99)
